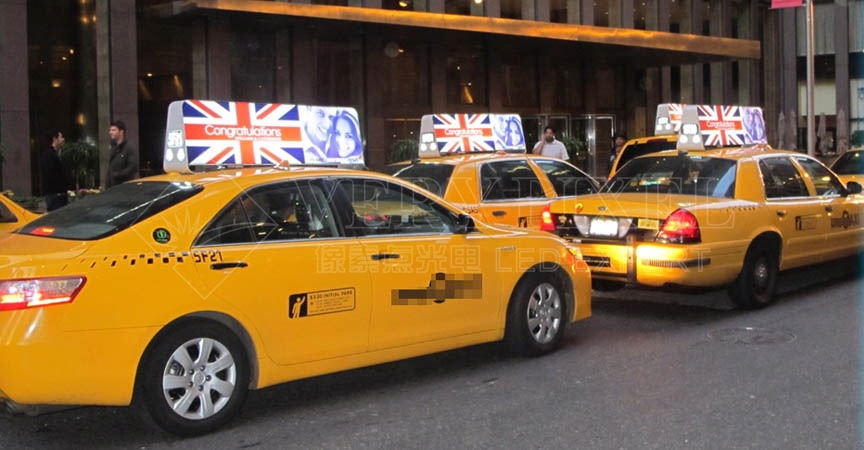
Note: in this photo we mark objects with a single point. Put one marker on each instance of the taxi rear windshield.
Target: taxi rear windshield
(640, 149)
(432, 177)
(851, 163)
(679, 174)
(101, 215)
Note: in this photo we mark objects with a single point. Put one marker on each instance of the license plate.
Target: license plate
(650, 224)
(604, 226)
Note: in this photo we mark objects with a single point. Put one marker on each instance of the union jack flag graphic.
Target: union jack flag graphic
(463, 133)
(722, 125)
(242, 133)
(676, 115)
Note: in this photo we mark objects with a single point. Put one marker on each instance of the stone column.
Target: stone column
(841, 70)
(116, 73)
(721, 72)
(14, 98)
(691, 75)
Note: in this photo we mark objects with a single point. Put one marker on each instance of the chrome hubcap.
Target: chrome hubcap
(760, 274)
(544, 313)
(199, 378)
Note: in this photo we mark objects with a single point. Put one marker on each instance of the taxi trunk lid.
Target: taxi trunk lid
(23, 255)
(630, 217)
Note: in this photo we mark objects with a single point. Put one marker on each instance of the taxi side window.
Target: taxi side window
(781, 178)
(509, 180)
(567, 180)
(381, 208)
(824, 181)
(276, 212)
(6, 216)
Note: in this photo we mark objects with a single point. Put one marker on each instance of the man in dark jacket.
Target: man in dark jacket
(123, 160)
(54, 182)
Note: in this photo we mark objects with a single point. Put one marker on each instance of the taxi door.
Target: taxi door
(276, 254)
(843, 228)
(428, 282)
(511, 193)
(801, 218)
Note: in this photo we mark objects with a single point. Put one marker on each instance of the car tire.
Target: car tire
(536, 315)
(194, 379)
(754, 288)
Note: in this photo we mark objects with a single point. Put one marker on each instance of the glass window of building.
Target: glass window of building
(568, 88)
(464, 7)
(405, 5)
(339, 72)
(519, 80)
(252, 70)
(466, 76)
(558, 12)
(406, 73)
(511, 9)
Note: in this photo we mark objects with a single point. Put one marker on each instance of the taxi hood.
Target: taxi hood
(19, 249)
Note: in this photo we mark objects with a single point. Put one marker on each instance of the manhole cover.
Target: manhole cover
(751, 336)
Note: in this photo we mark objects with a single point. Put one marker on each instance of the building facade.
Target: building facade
(587, 67)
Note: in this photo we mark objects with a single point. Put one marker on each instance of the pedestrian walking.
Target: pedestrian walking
(55, 184)
(123, 158)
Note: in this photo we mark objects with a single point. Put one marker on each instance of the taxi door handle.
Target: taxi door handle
(829, 208)
(781, 212)
(499, 213)
(228, 265)
(380, 256)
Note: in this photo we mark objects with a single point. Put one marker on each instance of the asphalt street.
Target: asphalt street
(650, 370)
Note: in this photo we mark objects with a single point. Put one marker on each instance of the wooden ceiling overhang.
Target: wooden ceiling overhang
(639, 48)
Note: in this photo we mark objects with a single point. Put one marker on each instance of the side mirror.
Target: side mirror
(464, 224)
(853, 187)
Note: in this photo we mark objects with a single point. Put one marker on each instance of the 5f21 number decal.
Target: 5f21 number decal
(207, 256)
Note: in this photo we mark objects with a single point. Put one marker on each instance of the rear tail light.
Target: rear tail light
(36, 292)
(680, 227)
(546, 222)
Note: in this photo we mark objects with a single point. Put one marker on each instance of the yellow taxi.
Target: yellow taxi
(729, 216)
(850, 165)
(13, 215)
(464, 159)
(641, 146)
(193, 287)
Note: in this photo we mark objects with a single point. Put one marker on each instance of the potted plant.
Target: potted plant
(577, 150)
(81, 160)
(403, 150)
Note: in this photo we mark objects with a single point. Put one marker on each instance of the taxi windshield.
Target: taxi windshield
(850, 163)
(432, 177)
(678, 174)
(102, 215)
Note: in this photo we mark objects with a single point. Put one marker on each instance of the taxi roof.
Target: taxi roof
(250, 176)
(470, 158)
(734, 153)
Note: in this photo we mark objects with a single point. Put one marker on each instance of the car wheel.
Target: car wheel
(536, 315)
(195, 378)
(607, 285)
(755, 285)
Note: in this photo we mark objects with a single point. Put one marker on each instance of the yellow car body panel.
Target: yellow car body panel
(13, 215)
(811, 228)
(88, 352)
(464, 188)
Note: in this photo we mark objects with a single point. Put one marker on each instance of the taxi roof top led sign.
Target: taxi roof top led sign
(202, 134)
(443, 134)
(720, 125)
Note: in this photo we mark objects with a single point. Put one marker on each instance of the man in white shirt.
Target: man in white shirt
(549, 146)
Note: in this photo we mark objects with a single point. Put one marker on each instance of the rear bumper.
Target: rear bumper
(43, 366)
(657, 265)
